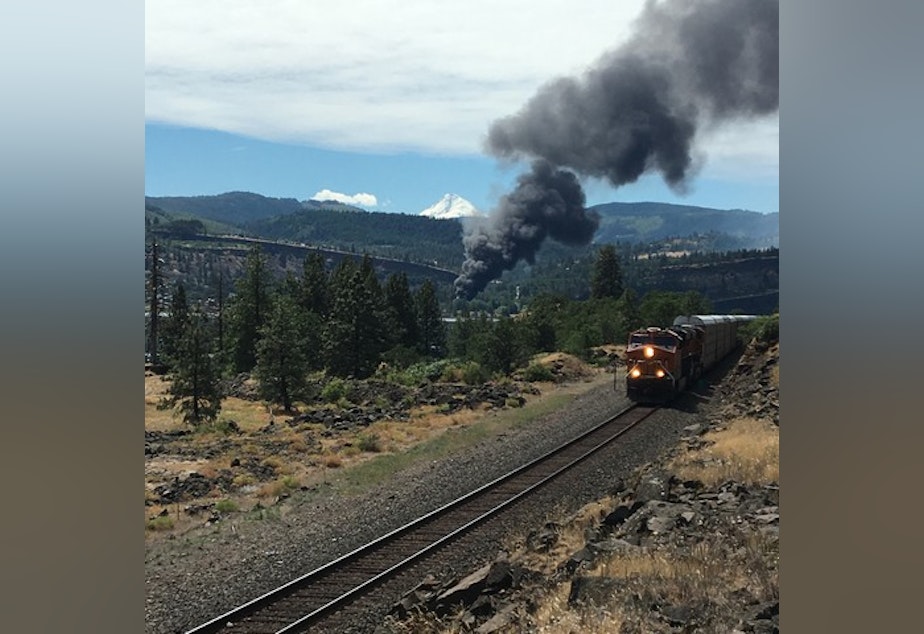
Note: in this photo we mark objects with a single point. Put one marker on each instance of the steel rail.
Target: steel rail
(238, 618)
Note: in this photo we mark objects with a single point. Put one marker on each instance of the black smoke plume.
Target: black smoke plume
(690, 65)
(547, 202)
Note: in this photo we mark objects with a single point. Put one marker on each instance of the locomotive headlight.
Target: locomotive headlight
(649, 352)
(635, 373)
(660, 374)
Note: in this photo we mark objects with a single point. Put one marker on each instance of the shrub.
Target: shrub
(243, 479)
(226, 506)
(474, 374)
(277, 488)
(420, 372)
(227, 426)
(334, 391)
(369, 442)
(765, 329)
(537, 372)
(159, 523)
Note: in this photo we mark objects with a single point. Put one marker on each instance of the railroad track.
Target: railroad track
(307, 600)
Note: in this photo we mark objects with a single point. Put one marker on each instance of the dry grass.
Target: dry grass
(250, 416)
(278, 487)
(553, 615)
(706, 574)
(570, 367)
(703, 576)
(159, 523)
(570, 537)
(348, 460)
(747, 451)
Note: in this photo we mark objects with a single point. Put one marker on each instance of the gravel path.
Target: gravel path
(192, 579)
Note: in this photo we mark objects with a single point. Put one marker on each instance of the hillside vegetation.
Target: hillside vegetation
(721, 254)
(635, 222)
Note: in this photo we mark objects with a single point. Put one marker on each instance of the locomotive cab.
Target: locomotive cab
(653, 363)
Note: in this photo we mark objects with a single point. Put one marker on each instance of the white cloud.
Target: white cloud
(365, 74)
(362, 199)
(382, 75)
(743, 151)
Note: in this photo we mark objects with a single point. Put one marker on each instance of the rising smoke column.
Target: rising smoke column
(547, 202)
(689, 65)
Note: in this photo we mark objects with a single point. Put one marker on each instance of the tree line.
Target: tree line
(345, 323)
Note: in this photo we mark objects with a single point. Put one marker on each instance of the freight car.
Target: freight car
(661, 362)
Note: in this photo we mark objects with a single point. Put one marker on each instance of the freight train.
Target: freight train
(662, 362)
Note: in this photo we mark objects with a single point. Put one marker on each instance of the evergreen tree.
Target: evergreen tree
(460, 336)
(432, 332)
(607, 274)
(154, 306)
(628, 305)
(175, 327)
(694, 303)
(502, 352)
(249, 308)
(659, 308)
(353, 333)
(315, 286)
(545, 312)
(281, 362)
(220, 318)
(401, 319)
(196, 380)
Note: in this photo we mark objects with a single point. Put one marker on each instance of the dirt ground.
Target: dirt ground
(254, 457)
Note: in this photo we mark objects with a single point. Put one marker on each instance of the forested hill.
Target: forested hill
(343, 225)
(423, 240)
(239, 208)
(649, 222)
(400, 236)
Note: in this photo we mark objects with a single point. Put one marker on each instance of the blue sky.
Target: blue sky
(386, 103)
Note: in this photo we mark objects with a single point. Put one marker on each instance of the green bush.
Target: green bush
(765, 329)
(334, 391)
(537, 372)
(473, 373)
(159, 523)
(420, 372)
(226, 506)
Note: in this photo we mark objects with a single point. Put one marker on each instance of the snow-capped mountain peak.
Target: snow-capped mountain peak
(451, 206)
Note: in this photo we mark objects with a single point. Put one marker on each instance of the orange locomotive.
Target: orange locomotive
(662, 362)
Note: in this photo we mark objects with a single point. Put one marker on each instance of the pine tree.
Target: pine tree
(460, 337)
(607, 274)
(249, 309)
(401, 317)
(315, 285)
(281, 362)
(154, 306)
(176, 324)
(220, 317)
(502, 352)
(354, 332)
(628, 305)
(196, 380)
(431, 330)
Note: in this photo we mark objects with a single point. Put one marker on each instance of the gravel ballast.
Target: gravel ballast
(191, 579)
